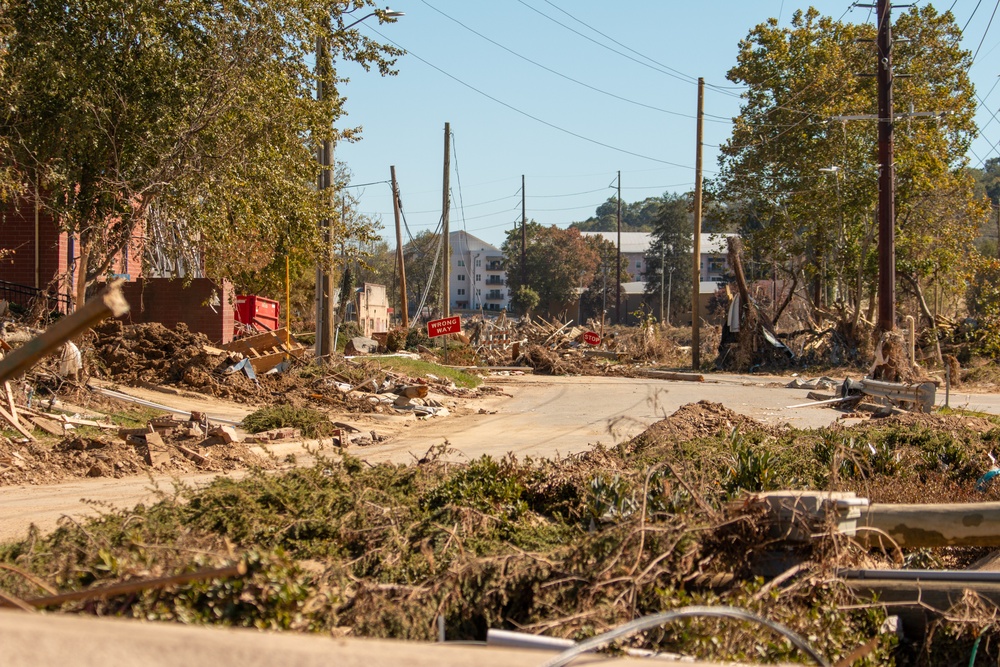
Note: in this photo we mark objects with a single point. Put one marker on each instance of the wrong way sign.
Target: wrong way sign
(445, 326)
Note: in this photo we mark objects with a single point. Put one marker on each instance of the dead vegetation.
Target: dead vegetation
(567, 547)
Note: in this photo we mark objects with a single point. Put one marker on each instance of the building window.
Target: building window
(478, 277)
(638, 264)
(461, 262)
(461, 291)
(716, 265)
(479, 263)
(478, 292)
(460, 276)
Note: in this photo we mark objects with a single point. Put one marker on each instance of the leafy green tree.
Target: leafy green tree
(601, 293)
(636, 217)
(670, 253)
(524, 300)
(818, 227)
(557, 261)
(188, 122)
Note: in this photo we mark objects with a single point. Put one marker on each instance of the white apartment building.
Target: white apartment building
(477, 280)
(714, 254)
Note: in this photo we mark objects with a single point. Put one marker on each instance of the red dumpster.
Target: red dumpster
(257, 314)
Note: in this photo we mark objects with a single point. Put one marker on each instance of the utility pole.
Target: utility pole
(663, 270)
(396, 206)
(618, 263)
(445, 206)
(324, 274)
(670, 287)
(524, 237)
(696, 264)
(886, 177)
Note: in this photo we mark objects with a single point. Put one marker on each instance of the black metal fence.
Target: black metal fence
(26, 296)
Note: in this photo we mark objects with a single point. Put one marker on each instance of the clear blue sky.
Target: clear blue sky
(567, 176)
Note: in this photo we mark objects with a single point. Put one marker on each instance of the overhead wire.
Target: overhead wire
(992, 16)
(560, 74)
(528, 115)
(684, 77)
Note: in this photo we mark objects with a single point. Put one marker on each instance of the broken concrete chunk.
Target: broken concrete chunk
(226, 433)
(361, 345)
(154, 439)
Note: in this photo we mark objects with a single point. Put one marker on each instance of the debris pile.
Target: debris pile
(165, 445)
(697, 420)
(559, 348)
(153, 353)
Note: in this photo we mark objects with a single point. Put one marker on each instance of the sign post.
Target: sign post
(443, 327)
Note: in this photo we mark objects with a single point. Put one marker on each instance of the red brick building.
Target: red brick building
(35, 256)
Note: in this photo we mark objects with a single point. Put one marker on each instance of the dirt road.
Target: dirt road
(549, 416)
(542, 416)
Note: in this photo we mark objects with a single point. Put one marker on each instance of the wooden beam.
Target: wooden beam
(12, 420)
(135, 586)
(109, 303)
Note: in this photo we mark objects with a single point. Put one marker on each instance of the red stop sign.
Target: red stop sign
(592, 338)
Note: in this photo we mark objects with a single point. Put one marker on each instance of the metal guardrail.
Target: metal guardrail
(25, 296)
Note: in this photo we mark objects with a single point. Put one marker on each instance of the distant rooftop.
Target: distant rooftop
(639, 242)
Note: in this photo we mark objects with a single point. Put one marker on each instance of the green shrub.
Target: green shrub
(313, 423)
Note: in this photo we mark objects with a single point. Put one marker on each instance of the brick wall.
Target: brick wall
(169, 302)
(17, 234)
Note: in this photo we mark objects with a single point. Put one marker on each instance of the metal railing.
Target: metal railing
(26, 296)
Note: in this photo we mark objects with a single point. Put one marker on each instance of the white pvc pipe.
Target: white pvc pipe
(510, 639)
(157, 406)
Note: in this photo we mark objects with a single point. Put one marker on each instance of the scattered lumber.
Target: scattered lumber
(266, 350)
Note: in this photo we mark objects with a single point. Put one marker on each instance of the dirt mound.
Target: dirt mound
(151, 352)
(697, 420)
(76, 457)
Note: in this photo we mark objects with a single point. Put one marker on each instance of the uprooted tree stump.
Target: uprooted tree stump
(754, 341)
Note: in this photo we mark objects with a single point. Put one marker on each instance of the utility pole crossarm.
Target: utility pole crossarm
(898, 116)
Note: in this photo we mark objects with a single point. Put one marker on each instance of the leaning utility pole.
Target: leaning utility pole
(696, 264)
(396, 206)
(446, 241)
(886, 177)
(618, 263)
(524, 238)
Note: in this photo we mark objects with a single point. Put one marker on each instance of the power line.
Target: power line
(985, 33)
(528, 115)
(691, 79)
(683, 77)
(560, 74)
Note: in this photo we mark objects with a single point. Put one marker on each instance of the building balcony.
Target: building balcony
(494, 280)
(494, 266)
(494, 295)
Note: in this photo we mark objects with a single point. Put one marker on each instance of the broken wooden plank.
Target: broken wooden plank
(9, 395)
(50, 426)
(10, 419)
(156, 450)
(135, 586)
